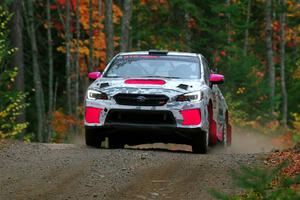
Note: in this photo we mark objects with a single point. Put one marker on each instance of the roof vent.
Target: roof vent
(158, 52)
(103, 85)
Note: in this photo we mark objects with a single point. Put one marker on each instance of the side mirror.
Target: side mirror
(216, 78)
(94, 75)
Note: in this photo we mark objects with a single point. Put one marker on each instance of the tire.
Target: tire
(200, 143)
(93, 138)
(115, 143)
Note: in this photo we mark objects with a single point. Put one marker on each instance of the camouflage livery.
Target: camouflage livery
(210, 95)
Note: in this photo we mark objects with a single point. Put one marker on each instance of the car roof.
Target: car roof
(172, 53)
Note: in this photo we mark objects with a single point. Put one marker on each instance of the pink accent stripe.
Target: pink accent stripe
(145, 81)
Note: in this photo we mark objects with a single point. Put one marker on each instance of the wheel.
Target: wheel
(93, 138)
(115, 143)
(200, 143)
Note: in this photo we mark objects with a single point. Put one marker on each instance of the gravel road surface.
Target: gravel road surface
(74, 171)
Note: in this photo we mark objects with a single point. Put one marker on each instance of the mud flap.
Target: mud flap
(229, 134)
(229, 130)
(212, 127)
(213, 132)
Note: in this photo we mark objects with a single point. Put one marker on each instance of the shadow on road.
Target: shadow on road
(244, 141)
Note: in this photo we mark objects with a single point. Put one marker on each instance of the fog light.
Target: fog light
(92, 115)
(191, 117)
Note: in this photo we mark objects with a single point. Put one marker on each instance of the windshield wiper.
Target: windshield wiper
(175, 77)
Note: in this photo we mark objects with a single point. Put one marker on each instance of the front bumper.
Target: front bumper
(183, 115)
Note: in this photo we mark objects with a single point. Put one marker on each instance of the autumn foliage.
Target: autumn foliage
(62, 125)
(292, 155)
(99, 45)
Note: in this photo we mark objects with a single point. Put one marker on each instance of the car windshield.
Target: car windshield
(142, 66)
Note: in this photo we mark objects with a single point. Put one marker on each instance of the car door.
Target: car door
(217, 104)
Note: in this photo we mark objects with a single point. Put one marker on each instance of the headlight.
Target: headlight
(193, 96)
(92, 94)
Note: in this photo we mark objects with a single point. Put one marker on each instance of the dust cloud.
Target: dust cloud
(243, 141)
(249, 141)
(78, 139)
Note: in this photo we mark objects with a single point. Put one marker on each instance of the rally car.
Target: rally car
(156, 96)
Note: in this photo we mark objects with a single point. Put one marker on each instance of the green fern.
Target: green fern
(258, 184)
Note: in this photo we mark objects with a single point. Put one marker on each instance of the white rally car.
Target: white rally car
(156, 96)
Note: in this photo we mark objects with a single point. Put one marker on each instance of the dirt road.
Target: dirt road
(74, 171)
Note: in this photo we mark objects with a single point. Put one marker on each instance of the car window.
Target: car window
(183, 67)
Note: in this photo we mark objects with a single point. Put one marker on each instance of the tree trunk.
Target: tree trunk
(188, 33)
(68, 57)
(282, 63)
(247, 29)
(109, 30)
(39, 94)
(228, 27)
(125, 29)
(18, 56)
(100, 7)
(55, 94)
(91, 36)
(77, 63)
(50, 75)
(271, 68)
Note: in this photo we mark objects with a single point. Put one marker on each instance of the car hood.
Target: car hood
(167, 86)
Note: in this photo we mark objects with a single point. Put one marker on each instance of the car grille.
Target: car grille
(140, 117)
(141, 99)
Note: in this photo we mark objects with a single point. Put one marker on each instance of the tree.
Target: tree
(39, 93)
(100, 7)
(50, 76)
(282, 63)
(247, 29)
(228, 25)
(77, 73)
(12, 101)
(68, 56)
(271, 68)
(109, 30)
(17, 41)
(91, 37)
(125, 29)
(188, 34)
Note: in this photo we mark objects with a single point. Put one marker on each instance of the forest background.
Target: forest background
(47, 47)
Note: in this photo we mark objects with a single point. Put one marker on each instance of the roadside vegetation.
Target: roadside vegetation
(12, 101)
(279, 178)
